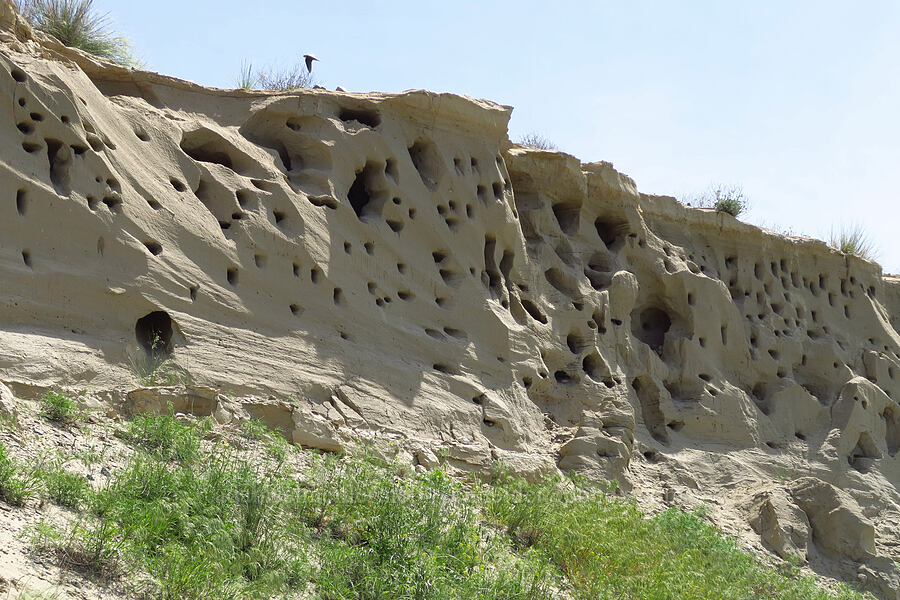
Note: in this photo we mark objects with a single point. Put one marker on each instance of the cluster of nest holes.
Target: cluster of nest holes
(494, 276)
(207, 146)
(451, 213)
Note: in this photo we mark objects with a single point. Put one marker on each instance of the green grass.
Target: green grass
(609, 549)
(17, 483)
(164, 436)
(64, 487)
(212, 524)
(75, 23)
(59, 408)
(853, 240)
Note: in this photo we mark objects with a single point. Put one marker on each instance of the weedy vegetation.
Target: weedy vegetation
(63, 487)
(59, 408)
(272, 79)
(189, 516)
(17, 482)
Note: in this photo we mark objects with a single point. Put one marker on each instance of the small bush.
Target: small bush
(17, 485)
(75, 23)
(535, 140)
(853, 240)
(723, 198)
(59, 408)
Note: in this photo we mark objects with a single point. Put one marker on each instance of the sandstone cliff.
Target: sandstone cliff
(392, 268)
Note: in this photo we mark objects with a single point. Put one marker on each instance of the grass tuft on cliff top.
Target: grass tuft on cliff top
(77, 24)
(853, 240)
(180, 520)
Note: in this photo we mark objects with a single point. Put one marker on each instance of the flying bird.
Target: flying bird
(309, 61)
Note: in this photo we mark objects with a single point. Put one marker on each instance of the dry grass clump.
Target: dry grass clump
(535, 140)
(275, 80)
(75, 23)
(853, 240)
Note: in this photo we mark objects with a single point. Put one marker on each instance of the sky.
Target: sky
(798, 103)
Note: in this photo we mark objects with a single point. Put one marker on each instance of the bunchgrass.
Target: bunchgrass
(217, 523)
(164, 436)
(59, 408)
(75, 23)
(246, 79)
(853, 240)
(17, 482)
(63, 487)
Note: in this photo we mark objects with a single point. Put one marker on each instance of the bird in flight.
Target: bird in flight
(309, 61)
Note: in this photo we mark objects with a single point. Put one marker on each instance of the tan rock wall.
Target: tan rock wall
(389, 267)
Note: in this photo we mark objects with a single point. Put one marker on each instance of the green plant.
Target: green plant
(90, 456)
(17, 484)
(163, 435)
(535, 140)
(75, 23)
(63, 487)
(853, 240)
(59, 408)
(255, 430)
(231, 525)
(88, 545)
(246, 79)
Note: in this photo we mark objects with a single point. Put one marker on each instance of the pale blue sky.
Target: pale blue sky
(797, 102)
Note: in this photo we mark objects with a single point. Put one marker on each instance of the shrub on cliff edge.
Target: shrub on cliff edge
(723, 198)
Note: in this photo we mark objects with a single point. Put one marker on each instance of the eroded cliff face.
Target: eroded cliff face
(391, 268)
